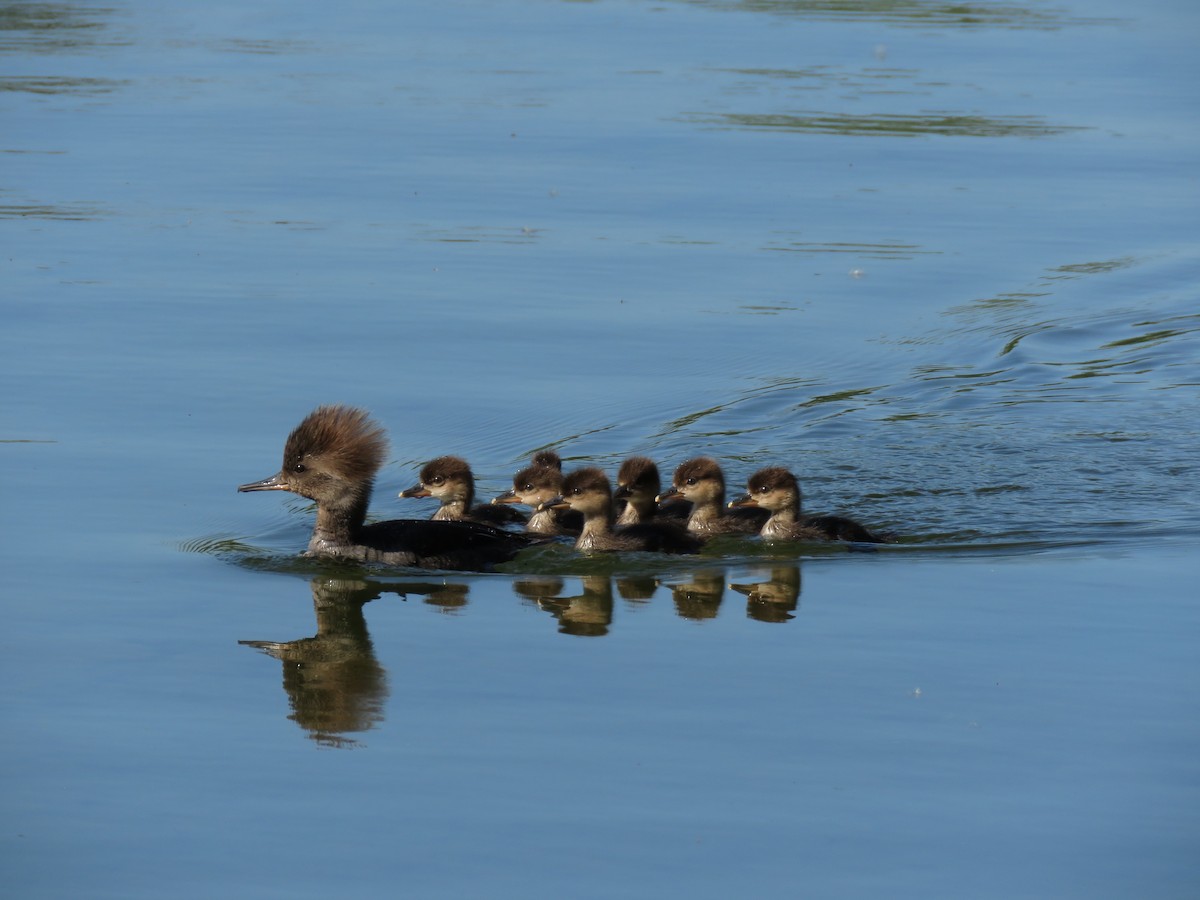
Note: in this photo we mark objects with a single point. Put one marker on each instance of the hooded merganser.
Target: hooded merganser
(588, 492)
(332, 457)
(533, 486)
(702, 482)
(776, 490)
(450, 480)
(638, 485)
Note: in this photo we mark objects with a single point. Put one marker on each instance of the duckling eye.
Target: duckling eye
(528, 486)
(437, 479)
(763, 489)
(299, 467)
(577, 491)
(690, 481)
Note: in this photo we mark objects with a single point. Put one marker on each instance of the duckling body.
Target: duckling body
(588, 492)
(638, 485)
(451, 481)
(701, 482)
(534, 485)
(776, 490)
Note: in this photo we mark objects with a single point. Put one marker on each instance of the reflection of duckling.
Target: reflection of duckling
(587, 491)
(702, 482)
(638, 485)
(533, 486)
(588, 614)
(450, 480)
(533, 589)
(636, 589)
(333, 681)
(700, 598)
(444, 596)
(332, 457)
(776, 490)
(774, 600)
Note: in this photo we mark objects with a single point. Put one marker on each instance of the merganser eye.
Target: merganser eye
(299, 467)
(691, 481)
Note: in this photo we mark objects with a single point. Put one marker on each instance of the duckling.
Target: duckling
(587, 491)
(332, 457)
(638, 485)
(702, 482)
(533, 486)
(547, 458)
(450, 479)
(776, 490)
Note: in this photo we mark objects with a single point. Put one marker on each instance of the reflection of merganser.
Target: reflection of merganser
(587, 491)
(702, 482)
(450, 480)
(776, 490)
(331, 458)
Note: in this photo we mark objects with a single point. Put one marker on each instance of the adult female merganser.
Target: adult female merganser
(331, 458)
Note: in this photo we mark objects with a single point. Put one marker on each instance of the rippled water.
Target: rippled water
(939, 259)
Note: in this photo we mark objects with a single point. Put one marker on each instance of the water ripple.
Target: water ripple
(917, 13)
(942, 124)
(1032, 416)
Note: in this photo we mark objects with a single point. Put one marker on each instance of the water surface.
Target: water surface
(940, 259)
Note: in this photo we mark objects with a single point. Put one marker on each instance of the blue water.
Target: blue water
(939, 259)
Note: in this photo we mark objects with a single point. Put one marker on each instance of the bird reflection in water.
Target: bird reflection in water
(533, 590)
(774, 600)
(336, 687)
(449, 599)
(588, 614)
(333, 681)
(700, 598)
(638, 589)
